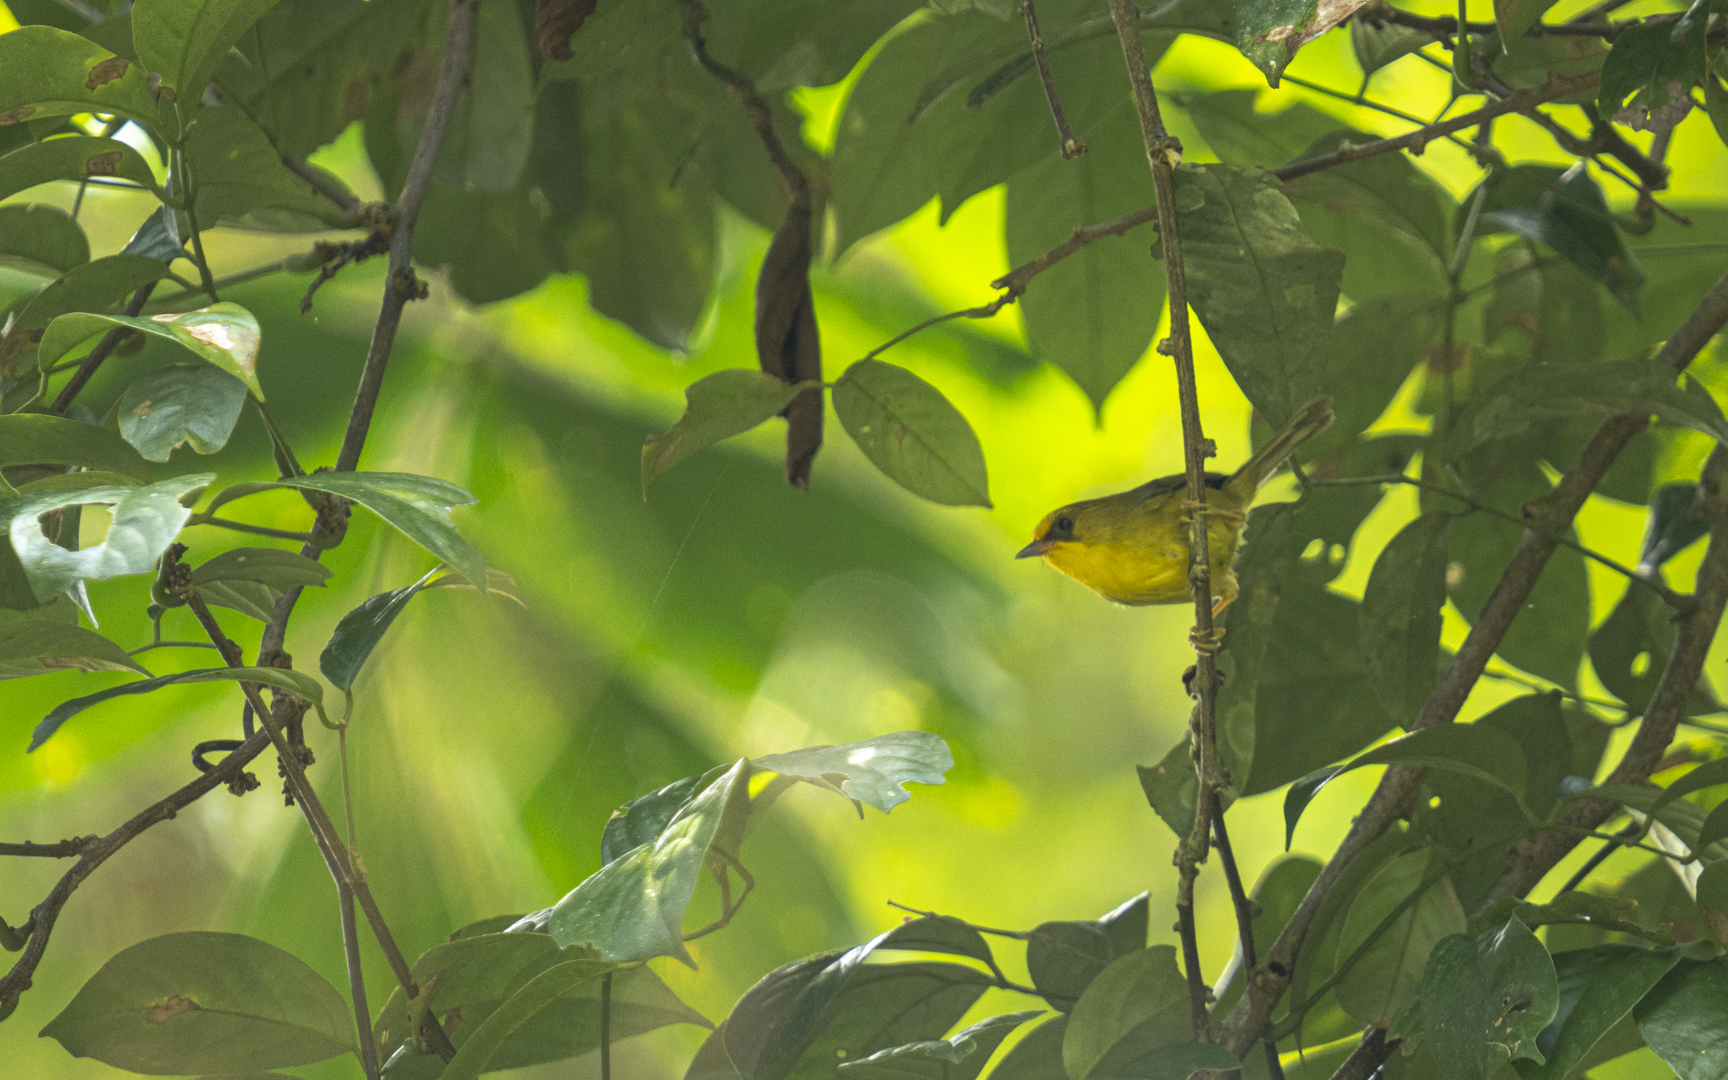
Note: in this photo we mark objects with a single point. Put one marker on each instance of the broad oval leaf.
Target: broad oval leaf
(911, 432)
(93, 286)
(1131, 991)
(875, 771)
(418, 506)
(1681, 1019)
(225, 335)
(722, 405)
(1486, 998)
(1598, 988)
(145, 522)
(1400, 615)
(49, 639)
(45, 439)
(269, 566)
(72, 157)
(45, 71)
(182, 40)
(204, 1002)
(1563, 208)
(281, 678)
(1389, 946)
(476, 1053)
(41, 239)
(242, 181)
(961, 1056)
(360, 631)
(181, 406)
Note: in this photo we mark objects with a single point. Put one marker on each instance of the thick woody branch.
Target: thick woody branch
(1550, 516)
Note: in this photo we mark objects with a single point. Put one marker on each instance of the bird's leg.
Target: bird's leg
(1207, 642)
(1190, 508)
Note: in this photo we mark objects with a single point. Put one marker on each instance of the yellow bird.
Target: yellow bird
(1133, 548)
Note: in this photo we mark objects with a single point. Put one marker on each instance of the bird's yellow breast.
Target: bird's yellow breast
(1148, 564)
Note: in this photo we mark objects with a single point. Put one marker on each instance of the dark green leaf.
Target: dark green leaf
(249, 598)
(225, 335)
(1377, 44)
(242, 181)
(72, 157)
(1240, 135)
(145, 522)
(1681, 1019)
(485, 1042)
(181, 406)
(1269, 32)
(962, 1056)
(910, 431)
(1598, 988)
(49, 638)
(41, 239)
(642, 819)
(1094, 313)
(486, 146)
(182, 40)
(1281, 887)
(938, 934)
(281, 678)
(419, 506)
(1177, 1061)
(1630, 650)
(1653, 64)
(269, 566)
(92, 286)
(1400, 615)
(494, 245)
(1716, 101)
(1712, 895)
(1129, 992)
(1265, 293)
(780, 47)
(1516, 17)
(1486, 998)
(158, 238)
(44, 439)
(1565, 210)
(1064, 957)
(1375, 345)
(1546, 391)
(1171, 787)
(203, 1002)
(1038, 1056)
(1550, 303)
(1675, 525)
(874, 771)
(717, 407)
(49, 72)
(360, 631)
(1389, 969)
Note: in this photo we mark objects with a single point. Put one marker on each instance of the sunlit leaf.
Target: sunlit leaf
(225, 335)
(911, 432)
(281, 678)
(874, 771)
(717, 407)
(145, 522)
(181, 406)
(204, 1002)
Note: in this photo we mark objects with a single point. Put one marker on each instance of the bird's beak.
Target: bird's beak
(1035, 548)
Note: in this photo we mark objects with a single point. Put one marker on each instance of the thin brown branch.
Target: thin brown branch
(65, 849)
(1162, 155)
(1418, 140)
(401, 285)
(1367, 1058)
(321, 183)
(43, 916)
(1246, 910)
(1016, 280)
(1447, 25)
(357, 982)
(104, 348)
(760, 112)
(1549, 516)
(1070, 146)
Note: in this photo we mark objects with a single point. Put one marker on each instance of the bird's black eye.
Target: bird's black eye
(1064, 524)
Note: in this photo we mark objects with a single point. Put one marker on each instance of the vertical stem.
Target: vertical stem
(1163, 153)
(1244, 927)
(1070, 146)
(606, 1026)
(357, 982)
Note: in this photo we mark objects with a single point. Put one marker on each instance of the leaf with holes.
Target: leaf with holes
(1654, 65)
(225, 335)
(874, 771)
(204, 1002)
(145, 522)
(1485, 999)
(910, 431)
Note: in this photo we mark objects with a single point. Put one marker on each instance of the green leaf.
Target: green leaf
(181, 406)
(418, 506)
(1240, 135)
(204, 1002)
(909, 431)
(1516, 17)
(1716, 101)
(1171, 787)
(477, 1052)
(1675, 524)
(1598, 989)
(44, 439)
(1038, 1056)
(242, 181)
(803, 1017)
(1125, 995)
(360, 631)
(146, 520)
(874, 771)
(962, 1056)
(1269, 31)
(92, 286)
(1529, 62)
(486, 145)
(281, 678)
(642, 819)
(1389, 969)
(495, 246)
(1094, 313)
(1375, 345)
(1400, 615)
(1630, 650)
(1276, 896)
(1645, 62)
(1265, 293)
(1064, 957)
(1486, 998)
(1177, 1061)
(1379, 44)
(72, 157)
(182, 40)
(268, 566)
(41, 239)
(45, 71)
(780, 47)
(225, 335)
(1712, 894)
(1541, 392)
(158, 238)
(717, 407)
(1681, 1019)
(49, 639)
(1565, 210)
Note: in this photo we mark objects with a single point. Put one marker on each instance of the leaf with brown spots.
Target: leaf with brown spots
(556, 21)
(72, 158)
(45, 71)
(106, 72)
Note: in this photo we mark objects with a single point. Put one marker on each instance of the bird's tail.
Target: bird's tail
(1309, 421)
